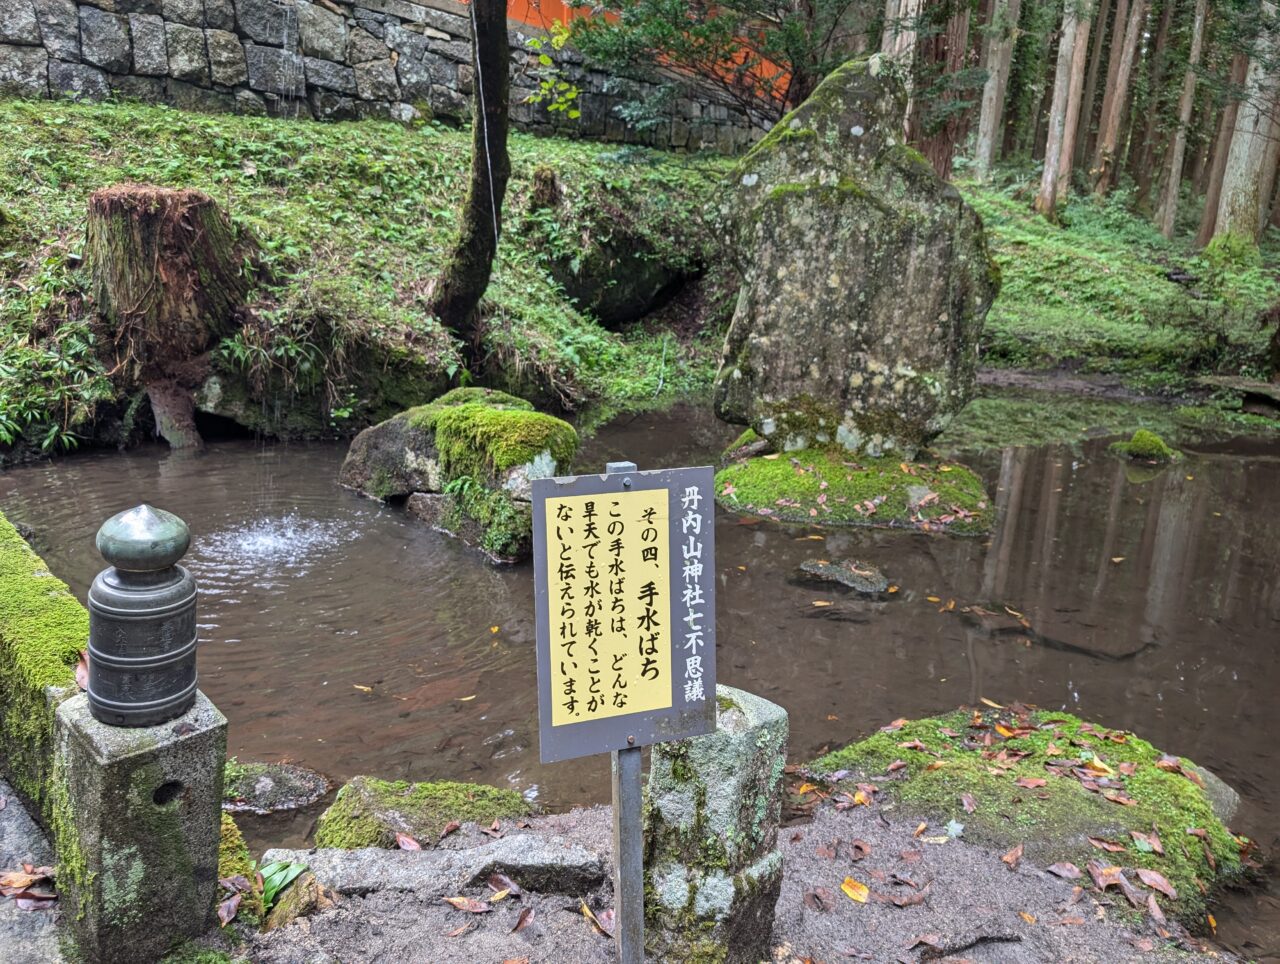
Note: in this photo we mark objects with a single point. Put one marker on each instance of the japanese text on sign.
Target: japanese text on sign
(609, 582)
(694, 602)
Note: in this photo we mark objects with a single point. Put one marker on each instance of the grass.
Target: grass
(1055, 819)
(1096, 293)
(354, 220)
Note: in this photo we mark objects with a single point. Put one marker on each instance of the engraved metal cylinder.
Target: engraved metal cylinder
(142, 621)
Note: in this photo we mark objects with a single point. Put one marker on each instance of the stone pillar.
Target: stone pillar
(137, 815)
(712, 868)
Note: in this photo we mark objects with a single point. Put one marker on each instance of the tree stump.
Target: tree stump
(169, 281)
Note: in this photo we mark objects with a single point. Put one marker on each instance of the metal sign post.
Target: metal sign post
(624, 578)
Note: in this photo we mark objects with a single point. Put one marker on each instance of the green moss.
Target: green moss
(192, 953)
(725, 703)
(1146, 446)
(1053, 822)
(829, 487)
(353, 820)
(506, 525)
(234, 860)
(481, 441)
(748, 437)
(43, 628)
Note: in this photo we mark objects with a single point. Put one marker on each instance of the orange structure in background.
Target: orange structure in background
(543, 13)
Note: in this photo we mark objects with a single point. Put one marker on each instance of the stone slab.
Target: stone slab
(188, 59)
(78, 80)
(150, 52)
(18, 22)
(59, 27)
(26, 937)
(534, 861)
(104, 40)
(24, 71)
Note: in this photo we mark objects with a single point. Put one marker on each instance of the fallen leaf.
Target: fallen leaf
(933, 599)
(1120, 797)
(854, 890)
(363, 689)
(1029, 918)
(1110, 846)
(468, 904)
(820, 899)
(822, 602)
(1153, 908)
(920, 829)
(1012, 857)
(896, 765)
(1030, 783)
(1148, 841)
(498, 882)
(912, 899)
(862, 799)
(595, 921)
(82, 670)
(227, 909)
(405, 842)
(859, 849)
(967, 801)
(914, 745)
(935, 765)
(449, 828)
(1117, 559)
(1065, 870)
(499, 895)
(806, 788)
(1213, 924)
(1157, 881)
(459, 931)
(992, 703)
(895, 725)
(911, 856)
(929, 940)
(466, 699)
(493, 629)
(826, 851)
(524, 920)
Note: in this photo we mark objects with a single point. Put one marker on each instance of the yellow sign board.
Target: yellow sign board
(608, 595)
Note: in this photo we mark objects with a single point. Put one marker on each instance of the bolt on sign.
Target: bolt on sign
(624, 571)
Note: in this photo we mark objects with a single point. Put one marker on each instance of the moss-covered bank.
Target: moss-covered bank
(43, 628)
(832, 487)
(369, 812)
(1049, 782)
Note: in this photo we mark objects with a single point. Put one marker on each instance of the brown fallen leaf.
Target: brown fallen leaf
(498, 882)
(1105, 877)
(1030, 783)
(449, 828)
(1157, 881)
(928, 940)
(82, 670)
(515, 960)
(227, 909)
(820, 899)
(1122, 798)
(1153, 908)
(590, 916)
(1110, 846)
(468, 904)
(459, 931)
(1029, 918)
(911, 856)
(1013, 857)
(915, 745)
(405, 842)
(911, 899)
(895, 766)
(967, 801)
(896, 725)
(524, 920)
(1067, 921)
(1152, 840)
(1065, 870)
(920, 829)
(859, 849)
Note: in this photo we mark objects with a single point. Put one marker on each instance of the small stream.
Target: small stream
(343, 635)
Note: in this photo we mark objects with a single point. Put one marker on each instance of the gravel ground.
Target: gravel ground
(970, 909)
(26, 936)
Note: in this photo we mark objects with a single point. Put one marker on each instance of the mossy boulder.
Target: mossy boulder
(866, 278)
(1146, 446)
(369, 812)
(234, 861)
(827, 486)
(469, 458)
(264, 788)
(1050, 781)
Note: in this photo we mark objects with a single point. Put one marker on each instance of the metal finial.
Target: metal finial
(143, 539)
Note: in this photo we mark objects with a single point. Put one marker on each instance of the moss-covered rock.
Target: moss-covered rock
(43, 628)
(369, 812)
(866, 279)
(478, 450)
(263, 788)
(827, 487)
(1146, 446)
(234, 861)
(302, 898)
(1050, 781)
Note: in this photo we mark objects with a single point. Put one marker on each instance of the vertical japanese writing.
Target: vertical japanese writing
(694, 601)
(609, 568)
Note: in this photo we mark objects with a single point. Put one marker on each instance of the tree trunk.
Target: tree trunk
(1142, 161)
(1168, 210)
(1267, 177)
(1047, 199)
(1084, 131)
(999, 47)
(1105, 160)
(1239, 203)
(1114, 56)
(1221, 148)
(1075, 99)
(948, 50)
(466, 275)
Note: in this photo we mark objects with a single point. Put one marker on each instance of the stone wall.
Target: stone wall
(328, 59)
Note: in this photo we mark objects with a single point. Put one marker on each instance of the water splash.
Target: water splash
(290, 542)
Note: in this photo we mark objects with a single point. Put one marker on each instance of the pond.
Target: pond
(343, 635)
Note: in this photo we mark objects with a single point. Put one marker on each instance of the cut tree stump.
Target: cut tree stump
(169, 281)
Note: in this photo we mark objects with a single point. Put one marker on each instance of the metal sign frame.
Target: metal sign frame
(682, 719)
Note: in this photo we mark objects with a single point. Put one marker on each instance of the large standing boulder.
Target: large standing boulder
(866, 278)
(713, 871)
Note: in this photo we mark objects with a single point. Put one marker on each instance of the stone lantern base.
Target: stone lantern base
(138, 830)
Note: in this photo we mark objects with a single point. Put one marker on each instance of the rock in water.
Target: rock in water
(866, 278)
(860, 576)
(711, 819)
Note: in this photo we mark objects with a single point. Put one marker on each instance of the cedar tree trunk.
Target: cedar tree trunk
(1168, 209)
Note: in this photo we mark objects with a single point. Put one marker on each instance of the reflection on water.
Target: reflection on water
(340, 634)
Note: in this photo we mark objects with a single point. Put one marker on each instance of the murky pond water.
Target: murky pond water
(343, 635)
